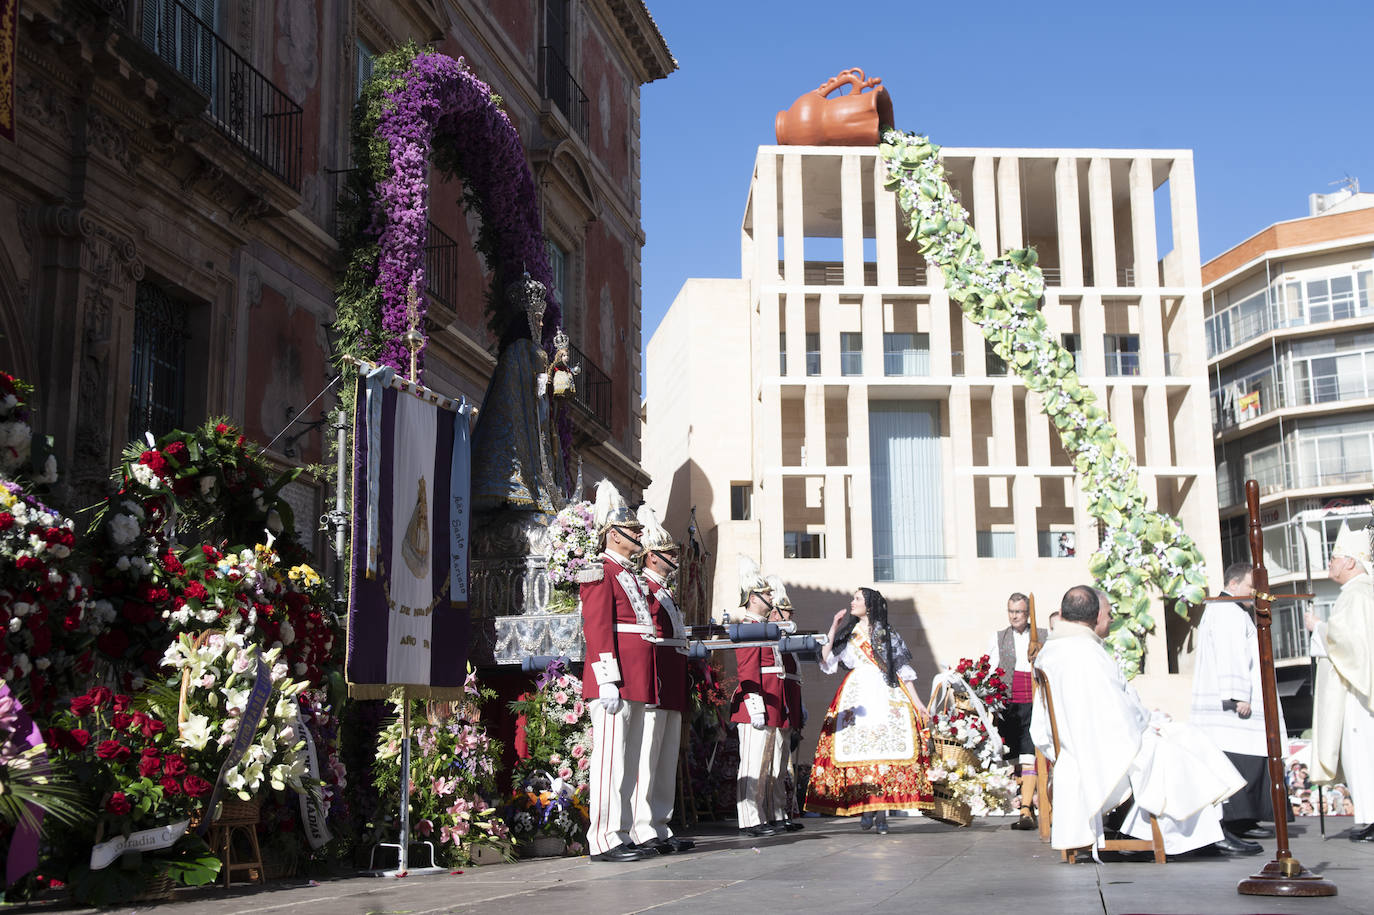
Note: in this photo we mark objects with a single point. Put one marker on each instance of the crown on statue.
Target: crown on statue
(560, 340)
(527, 294)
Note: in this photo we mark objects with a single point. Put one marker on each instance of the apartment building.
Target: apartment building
(1290, 356)
(833, 413)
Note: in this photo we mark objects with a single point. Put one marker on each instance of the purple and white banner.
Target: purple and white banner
(407, 602)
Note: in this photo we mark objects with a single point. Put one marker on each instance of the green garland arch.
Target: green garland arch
(1140, 547)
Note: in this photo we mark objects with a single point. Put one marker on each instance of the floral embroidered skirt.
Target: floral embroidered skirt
(869, 759)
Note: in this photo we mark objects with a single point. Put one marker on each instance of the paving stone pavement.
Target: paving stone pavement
(831, 866)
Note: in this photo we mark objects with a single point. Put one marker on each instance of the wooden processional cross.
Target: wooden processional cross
(1283, 876)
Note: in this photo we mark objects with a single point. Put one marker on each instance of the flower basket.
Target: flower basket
(157, 889)
(234, 812)
(952, 754)
(947, 810)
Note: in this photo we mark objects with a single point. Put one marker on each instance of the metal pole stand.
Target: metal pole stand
(402, 845)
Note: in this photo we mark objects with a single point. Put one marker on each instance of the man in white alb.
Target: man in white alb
(1112, 748)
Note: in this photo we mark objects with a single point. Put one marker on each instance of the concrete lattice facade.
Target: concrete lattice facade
(766, 388)
(1290, 346)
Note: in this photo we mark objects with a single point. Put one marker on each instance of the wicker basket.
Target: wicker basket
(157, 889)
(950, 753)
(947, 810)
(234, 812)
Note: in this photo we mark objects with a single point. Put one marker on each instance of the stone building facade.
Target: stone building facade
(168, 212)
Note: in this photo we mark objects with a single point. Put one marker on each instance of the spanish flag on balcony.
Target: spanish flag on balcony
(1250, 400)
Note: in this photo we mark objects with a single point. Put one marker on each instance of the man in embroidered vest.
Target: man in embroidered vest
(618, 681)
(1343, 705)
(656, 787)
(1009, 649)
(1227, 704)
(756, 710)
(784, 799)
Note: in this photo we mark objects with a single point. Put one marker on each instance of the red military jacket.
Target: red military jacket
(618, 628)
(792, 697)
(670, 655)
(757, 677)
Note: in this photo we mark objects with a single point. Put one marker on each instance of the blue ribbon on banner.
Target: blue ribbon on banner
(460, 480)
(377, 381)
(253, 711)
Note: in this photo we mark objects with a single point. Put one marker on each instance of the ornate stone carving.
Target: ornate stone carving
(105, 136)
(45, 108)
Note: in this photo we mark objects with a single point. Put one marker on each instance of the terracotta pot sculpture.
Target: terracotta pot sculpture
(851, 119)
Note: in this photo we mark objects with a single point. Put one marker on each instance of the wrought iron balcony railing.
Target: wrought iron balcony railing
(559, 87)
(593, 387)
(245, 106)
(441, 267)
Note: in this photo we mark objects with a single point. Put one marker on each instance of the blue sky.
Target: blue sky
(1272, 97)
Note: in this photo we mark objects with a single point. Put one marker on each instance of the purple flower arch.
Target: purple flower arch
(437, 106)
(438, 101)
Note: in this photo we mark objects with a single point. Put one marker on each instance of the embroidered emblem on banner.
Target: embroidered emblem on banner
(415, 547)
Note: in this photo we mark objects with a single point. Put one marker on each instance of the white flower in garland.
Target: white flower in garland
(1142, 547)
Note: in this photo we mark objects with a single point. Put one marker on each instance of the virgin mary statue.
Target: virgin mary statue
(517, 461)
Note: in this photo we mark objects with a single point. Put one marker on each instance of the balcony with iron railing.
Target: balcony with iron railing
(441, 267)
(593, 385)
(1310, 462)
(1289, 304)
(1295, 384)
(244, 106)
(558, 87)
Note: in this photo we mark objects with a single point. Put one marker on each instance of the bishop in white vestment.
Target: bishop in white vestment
(1112, 748)
(1343, 710)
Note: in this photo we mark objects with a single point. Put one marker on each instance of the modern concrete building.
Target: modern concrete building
(834, 414)
(1290, 349)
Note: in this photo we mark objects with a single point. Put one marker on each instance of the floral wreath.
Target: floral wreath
(420, 108)
(1139, 547)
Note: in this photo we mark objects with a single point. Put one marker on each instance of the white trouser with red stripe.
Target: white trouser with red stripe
(754, 785)
(616, 741)
(782, 776)
(656, 787)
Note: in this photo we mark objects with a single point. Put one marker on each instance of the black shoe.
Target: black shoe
(1234, 839)
(1026, 820)
(653, 846)
(623, 853)
(1254, 832)
(792, 825)
(1363, 835)
(1233, 848)
(759, 831)
(672, 845)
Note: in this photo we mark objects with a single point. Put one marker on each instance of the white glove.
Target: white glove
(758, 721)
(609, 696)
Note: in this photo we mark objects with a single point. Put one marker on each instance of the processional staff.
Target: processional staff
(1284, 876)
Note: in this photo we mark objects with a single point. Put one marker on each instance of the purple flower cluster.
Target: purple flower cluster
(439, 98)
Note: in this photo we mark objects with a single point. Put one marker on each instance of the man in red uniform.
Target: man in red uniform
(657, 784)
(756, 709)
(619, 675)
(794, 719)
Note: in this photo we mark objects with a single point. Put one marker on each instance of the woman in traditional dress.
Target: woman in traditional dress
(871, 755)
